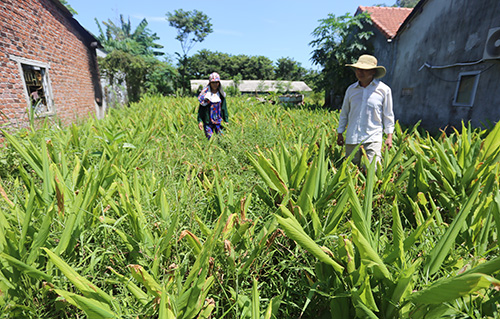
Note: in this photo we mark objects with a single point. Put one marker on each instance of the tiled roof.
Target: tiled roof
(387, 19)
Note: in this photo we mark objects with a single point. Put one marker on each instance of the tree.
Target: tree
(142, 74)
(228, 66)
(339, 41)
(192, 26)
(201, 64)
(120, 65)
(289, 70)
(407, 3)
(261, 67)
(161, 78)
(66, 4)
(132, 57)
(139, 42)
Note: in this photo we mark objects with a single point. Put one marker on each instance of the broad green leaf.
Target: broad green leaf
(362, 311)
(195, 296)
(142, 276)
(47, 176)
(491, 144)
(296, 232)
(404, 284)
(164, 312)
(85, 286)
(272, 307)
(165, 242)
(445, 243)
(449, 289)
(70, 226)
(358, 216)
(489, 267)
(137, 292)
(26, 269)
(193, 241)
(30, 207)
(92, 308)
(33, 159)
(300, 170)
(255, 300)
(196, 280)
(337, 214)
(366, 296)
(274, 175)
(464, 147)
(368, 198)
(220, 197)
(340, 308)
(346, 252)
(398, 233)
(206, 312)
(410, 240)
(448, 167)
(267, 173)
(41, 237)
(316, 222)
(366, 251)
(310, 184)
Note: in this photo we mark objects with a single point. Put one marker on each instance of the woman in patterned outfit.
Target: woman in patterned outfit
(212, 108)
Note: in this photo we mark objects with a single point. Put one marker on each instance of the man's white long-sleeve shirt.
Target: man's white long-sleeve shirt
(367, 113)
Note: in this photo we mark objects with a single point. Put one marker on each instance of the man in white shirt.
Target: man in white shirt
(367, 111)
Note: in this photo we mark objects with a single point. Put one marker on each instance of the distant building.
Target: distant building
(258, 86)
(291, 91)
(48, 62)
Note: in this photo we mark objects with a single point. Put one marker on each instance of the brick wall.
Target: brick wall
(41, 31)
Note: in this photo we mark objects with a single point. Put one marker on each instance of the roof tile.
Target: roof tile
(387, 19)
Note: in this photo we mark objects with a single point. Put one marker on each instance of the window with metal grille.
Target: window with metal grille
(37, 85)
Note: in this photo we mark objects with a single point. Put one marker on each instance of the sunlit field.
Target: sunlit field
(140, 216)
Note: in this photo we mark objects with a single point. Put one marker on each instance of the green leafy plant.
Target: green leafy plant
(138, 215)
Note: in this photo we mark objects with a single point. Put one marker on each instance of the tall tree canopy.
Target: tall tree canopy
(289, 70)
(339, 41)
(407, 3)
(201, 64)
(141, 73)
(66, 4)
(133, 57)
(141, 41)
(192, 26)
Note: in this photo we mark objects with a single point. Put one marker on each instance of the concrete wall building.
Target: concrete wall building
(386, 23)
(442, 60)
(447, 64)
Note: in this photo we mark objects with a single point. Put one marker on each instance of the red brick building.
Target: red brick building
(48, 62)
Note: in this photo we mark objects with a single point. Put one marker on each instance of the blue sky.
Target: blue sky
(272, 28)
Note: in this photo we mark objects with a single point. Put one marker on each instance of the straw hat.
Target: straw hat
(369, 62)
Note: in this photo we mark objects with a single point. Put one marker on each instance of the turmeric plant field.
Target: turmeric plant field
(139, 216)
